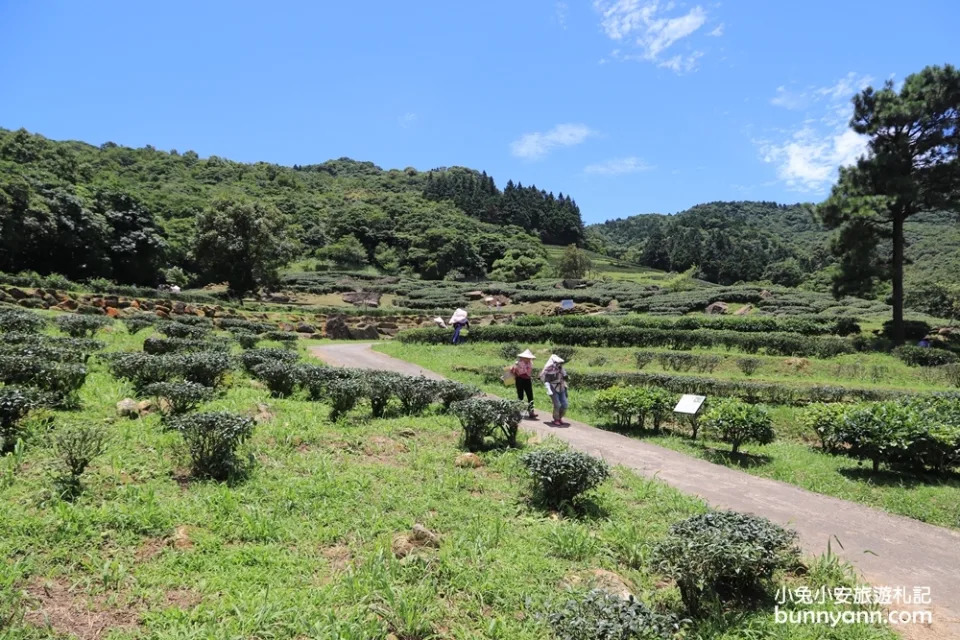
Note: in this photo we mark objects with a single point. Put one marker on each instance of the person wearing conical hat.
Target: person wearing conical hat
(522, 371)
(554, 378)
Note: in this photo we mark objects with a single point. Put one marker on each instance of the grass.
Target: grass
(793, 458)
(605, 267)
(303, 546)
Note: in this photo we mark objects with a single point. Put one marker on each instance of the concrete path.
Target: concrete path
(889, 550)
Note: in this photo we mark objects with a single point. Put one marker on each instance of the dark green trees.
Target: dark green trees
(911, 166)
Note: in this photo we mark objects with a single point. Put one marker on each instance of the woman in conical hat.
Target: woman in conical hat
(522, 371)
(554, 379)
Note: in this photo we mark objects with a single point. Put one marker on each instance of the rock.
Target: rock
(286, 326)
(145, 406)
(111, 301)
(262, 413)
(68, 305)
(421, 534)
(50, 301)
(181, 537)
(5, 297)
(362, 298)
(303, 327)
(364, 332)
(128, 408)
(17, 294)
(162, 313)
(468, 460)
(113, 312)
(336, 328)
(179, 307)
(32, 303)
(406, 433)
(744, 310)
(717, 308)
(765, 294)
(474, 295)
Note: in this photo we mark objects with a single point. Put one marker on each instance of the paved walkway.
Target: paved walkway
(889, 550)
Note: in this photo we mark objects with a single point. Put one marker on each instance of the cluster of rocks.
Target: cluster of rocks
(111, 305)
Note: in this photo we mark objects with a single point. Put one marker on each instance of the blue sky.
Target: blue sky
(630, 106)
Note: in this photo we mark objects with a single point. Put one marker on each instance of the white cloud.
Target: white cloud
(618, 166)
(407, 120)
(717, 31)
(538, 144)
(561, 10)
(807, 155)
(649, 27)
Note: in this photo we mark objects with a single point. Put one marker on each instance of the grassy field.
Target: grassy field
(613, 269)
(304, 546)
(793, 458)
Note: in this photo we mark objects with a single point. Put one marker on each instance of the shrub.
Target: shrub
(315, 378)
(881, 431)
(252, 357)
(139, 368)
(749, 366)
(183, 330)
(925, 356)
(598, 615)
(380, 387)
(77, 447)
(343, 394)
(77, 326)
(644, 358)
(246, 339)
(15, 404)
(280, 377)
(826, 421)
(450, 391)
(139, 322)
(60, 379)
(415, 394)
(565, 352)
(724, 557)
(181, 345)
(204, 367)
(48, 351)
(598, 361)
(619, 403)
(951, 372)
(176, 398)
(487, 417)
(213, 440)
(16, 320)
(286, 337)
(560, 477)
(913, 330)
(736, 422)
(509, 350)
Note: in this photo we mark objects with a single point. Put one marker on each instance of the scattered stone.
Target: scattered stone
(181, 538)
(474, 295)
(601, 579)
(717, 308)
(423, 535)
(336, 328)
(765, 294)
(17, 294)
(145, 406)
(128, 408)
(364, 332)
(362, 298)
(406, 433)
(744, 310)
(419, 538)
(469, 460)
(261, 413)
(303, 327)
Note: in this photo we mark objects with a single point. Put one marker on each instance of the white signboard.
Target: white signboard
(689, 404)
(566, 305)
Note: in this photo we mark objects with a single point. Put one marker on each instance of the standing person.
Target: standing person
(554, 379)
(458, 321)
(522, 371)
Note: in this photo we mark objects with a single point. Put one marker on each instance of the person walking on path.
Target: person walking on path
(458, 321)
(554, 379)
(522, 371)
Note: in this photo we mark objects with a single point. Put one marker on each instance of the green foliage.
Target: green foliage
(565, 352)
(76, 446)
(598, 615)
(643, 358)
(241, 242)
(737, 422)
(213, 440)
(23, 321)
(78, 326)
(724, 557)
(280, 377)
(509, 351)
(623, 404)
(749, 366)
(346, 252)
(183, 330)
(15, 404)
(61, 380)
(881, 431)
(450, 391)
(246, 339)
(380, 387)
(141, 369)
(286, 337)
(343, 394)
(925, 356)
(203, 367)
(176, 398)
(561, 477)
(252, 357)
(182, 345)
(416, 394)
(483, 418)
(574, 264)
(826, 420)
(517, 265)
(139, 322)
(913, 330)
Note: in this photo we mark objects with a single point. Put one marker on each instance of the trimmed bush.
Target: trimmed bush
(252, 357)
(488, 417)
(450, 391)
(925, 356)
(176, 398)
(76, 447)
(643, 358)
(16, 320)
(77, 326)
(749, 366)
(724, 557)
(380, 386)
(204, 367)
(913, 330)
(598, 615)
(825, 420)
(60, 379)
(343, 395)
(246, 339)
(183, 330)
(139, 322)
(623, 404)
(881, 431)
(156, 346)
(509, 351)
(288, 338)
(141, 369)
(951, 372)
(15, 404)
(280, 377)
(81, 348)
(315, 378)
(565, 352)
(213, 440)
(561, 477)
(416, 393)
(736, 422)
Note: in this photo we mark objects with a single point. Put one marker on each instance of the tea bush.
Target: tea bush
(252, 357)
(183, 330)
(881, 431)
(315, 378)
(561, 477)
(951, 372)
(343, 395)
(213, 441)
(510, 350)
(139, 322)
(483, 418)
(157, 346)
(15, 404)
(925, 356)
(280, 377)
(77, 326)
(43, 350)
(17, 320)
(176, 398)
(450, 391)
(749, 366)
(246, 339)
(416, 393)
(60, 379)
(286, 337)
(141, 369)
(76, 447)
(622, 404)
(380, 386)
(724, 557)
(598, 615)
(736, 422)
(913, 330)
(643, 358)
(566, 353)
(826, 421)
(204, 367)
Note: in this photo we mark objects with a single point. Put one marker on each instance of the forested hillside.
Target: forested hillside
(743, 241)
(128, 214)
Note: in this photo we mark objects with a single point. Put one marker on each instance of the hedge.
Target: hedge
(805, 324)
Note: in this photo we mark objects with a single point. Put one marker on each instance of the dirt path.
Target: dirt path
(890, 550)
